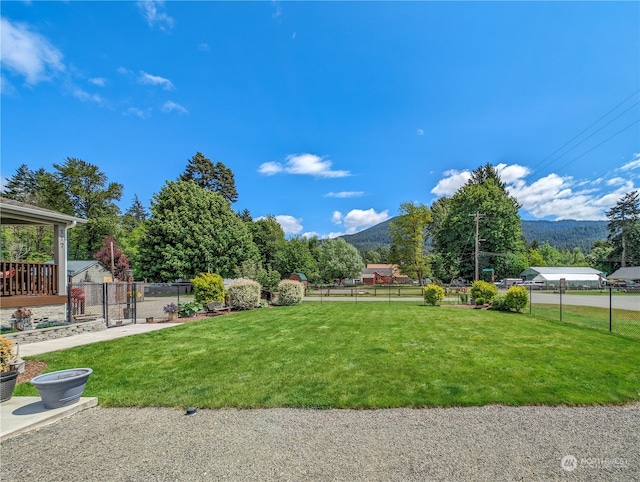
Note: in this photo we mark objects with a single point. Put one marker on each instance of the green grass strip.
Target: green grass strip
(369, 355)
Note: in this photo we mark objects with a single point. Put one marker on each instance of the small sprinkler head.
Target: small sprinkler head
(191, 411)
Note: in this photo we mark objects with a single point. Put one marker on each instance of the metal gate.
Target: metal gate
(114, 302)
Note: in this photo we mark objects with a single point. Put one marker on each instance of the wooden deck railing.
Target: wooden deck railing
(24, 279)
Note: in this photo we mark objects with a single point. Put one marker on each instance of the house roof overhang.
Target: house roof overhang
(17, 213)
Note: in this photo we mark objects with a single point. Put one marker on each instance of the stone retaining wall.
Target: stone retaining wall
(53, 312)
(32, 336)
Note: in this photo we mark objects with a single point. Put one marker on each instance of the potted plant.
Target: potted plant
(61, 388)
(189, 309)
(8, 375)
(171, 309)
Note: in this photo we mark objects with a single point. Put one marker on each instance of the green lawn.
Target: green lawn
(366, 355)
(623, 322)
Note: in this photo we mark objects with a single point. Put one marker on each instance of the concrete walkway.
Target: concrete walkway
(22, 414)
(87, 338)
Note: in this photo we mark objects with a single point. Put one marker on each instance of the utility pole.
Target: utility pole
(477, 216)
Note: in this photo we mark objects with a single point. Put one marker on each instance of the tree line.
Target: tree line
(480, 226)
(191, 228)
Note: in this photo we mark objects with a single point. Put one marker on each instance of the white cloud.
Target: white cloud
(270, 168)
(5, 87)
(148, 79)
(28, 53)
(559, 197)
(303, 164)
(358, 219)
(553, 196)
(344, 194)
(309, 234)
(203, 47)
(420, 132)
(332, 235)
(124, 71)
(452, 181)
(134, 111)
(512, 173)
(99, 81)
(170, 106)
(151, 11)
(289, 224)
(84, 96)
(633, 164)
(277, 9)
(616, 181)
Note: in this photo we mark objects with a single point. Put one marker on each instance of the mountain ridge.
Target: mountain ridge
(563, 235)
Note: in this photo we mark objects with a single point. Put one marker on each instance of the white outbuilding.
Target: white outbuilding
(575, 277)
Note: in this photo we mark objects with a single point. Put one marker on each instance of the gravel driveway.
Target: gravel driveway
(477, 443)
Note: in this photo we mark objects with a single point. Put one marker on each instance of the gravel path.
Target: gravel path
(477, 443)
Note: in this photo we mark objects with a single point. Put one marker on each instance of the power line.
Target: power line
(593, 133)
(598, 145)
(586, 129)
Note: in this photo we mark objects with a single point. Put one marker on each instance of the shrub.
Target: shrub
(464, 298)
(290, 292)
(189, 309)
(499, 302)
(433, 294)
(480, 301)
(244, 294)
(482, 289)
(7, 354)
(516, 298)
(208, 287)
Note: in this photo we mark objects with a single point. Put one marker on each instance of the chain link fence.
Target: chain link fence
(607, 310)
(121, 303)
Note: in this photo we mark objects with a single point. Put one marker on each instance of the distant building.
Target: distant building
(299, 277)
(579, 277)
(630, 273)
(86, 271)
(375, 274)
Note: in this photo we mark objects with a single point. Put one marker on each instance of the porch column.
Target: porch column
(60, 256)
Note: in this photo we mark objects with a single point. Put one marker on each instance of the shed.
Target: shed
(299, 277)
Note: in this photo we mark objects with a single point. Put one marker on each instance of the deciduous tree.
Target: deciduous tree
(339, 260)
(407, 232)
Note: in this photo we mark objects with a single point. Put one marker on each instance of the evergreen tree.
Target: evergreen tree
(624, 228)
(212, 177)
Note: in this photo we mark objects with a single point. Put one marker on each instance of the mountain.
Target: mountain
(560, 234)
(566, 234)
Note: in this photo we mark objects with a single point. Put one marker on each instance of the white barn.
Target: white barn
(575, 277)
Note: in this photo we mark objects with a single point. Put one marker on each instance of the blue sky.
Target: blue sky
(331, 114)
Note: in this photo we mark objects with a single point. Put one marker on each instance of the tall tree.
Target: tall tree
(212, 177)
(502, 247)
(624, 227)
(192, 230)
(269, 238)
(407, 232)
(339, 260)
(92, 197)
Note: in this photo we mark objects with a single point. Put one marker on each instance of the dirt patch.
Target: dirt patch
(32, 368)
